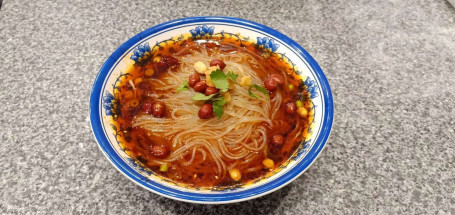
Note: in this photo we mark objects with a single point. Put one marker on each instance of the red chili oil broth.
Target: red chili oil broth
(138, 141)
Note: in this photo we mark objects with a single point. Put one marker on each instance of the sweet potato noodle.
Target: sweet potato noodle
(257, 131)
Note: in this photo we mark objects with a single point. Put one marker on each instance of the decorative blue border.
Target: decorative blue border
(216, 198)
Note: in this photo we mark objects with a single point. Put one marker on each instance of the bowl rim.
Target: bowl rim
(206, 198)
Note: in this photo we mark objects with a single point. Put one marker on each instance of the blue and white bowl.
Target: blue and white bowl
(101, 101)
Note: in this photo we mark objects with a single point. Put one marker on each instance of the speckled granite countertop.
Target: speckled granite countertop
(390, 63)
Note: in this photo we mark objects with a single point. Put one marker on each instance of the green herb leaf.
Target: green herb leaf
(218, 107)
(217, 98)
(232, 76)
(183, 87)
(220, 80)
(258, 88)
(202, 97)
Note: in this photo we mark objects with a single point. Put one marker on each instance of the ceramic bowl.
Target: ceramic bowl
(101, 101)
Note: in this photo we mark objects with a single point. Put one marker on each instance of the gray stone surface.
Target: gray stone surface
(390, 63)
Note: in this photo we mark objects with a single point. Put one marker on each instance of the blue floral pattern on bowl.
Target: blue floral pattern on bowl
(108, 100)
(203, 30)
(311, 87)
(268, 43)
(140, 51)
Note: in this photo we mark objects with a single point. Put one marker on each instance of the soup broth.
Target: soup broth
(265, 112)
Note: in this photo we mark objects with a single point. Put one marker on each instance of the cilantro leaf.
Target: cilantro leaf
(183, 87)
(258, 88)
(202, 97)
(217, 98)
(220, 80)
(218, 107)
(232, 76)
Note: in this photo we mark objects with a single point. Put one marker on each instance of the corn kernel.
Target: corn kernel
(157, 59)
(208, 80)
(137, 81)
(134, 103)
(200, 67)
(128, 94)
(227, 97)
(149, 72)
(235, 174)
(163, 167)
(302, 111)
(268, 163)
(299, 103)
(291, 87)
(245, 81)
